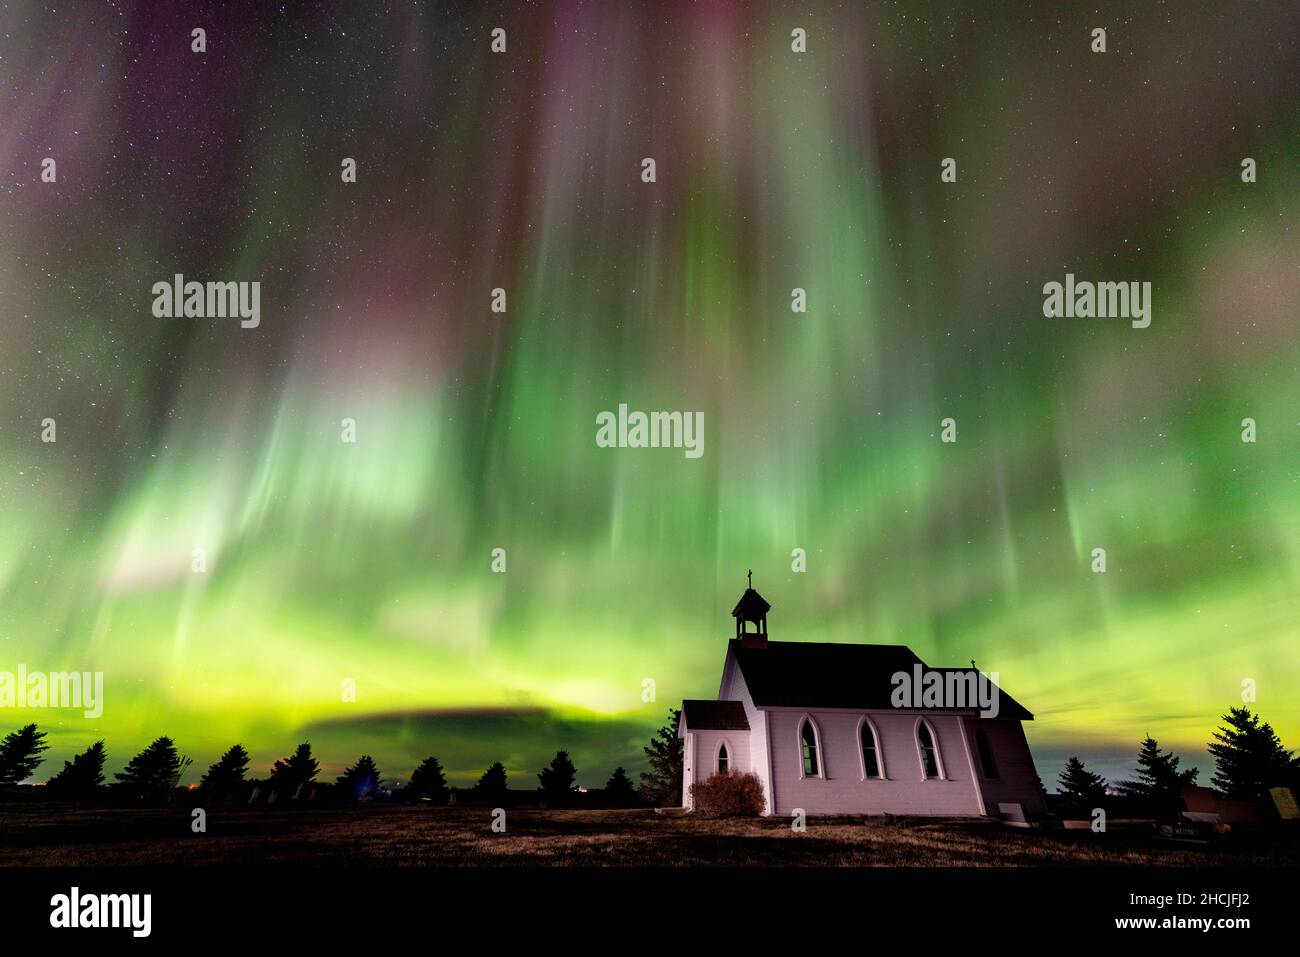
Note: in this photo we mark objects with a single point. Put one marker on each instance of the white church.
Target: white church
(820, 726)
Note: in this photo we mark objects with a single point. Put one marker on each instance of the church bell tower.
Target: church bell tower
(751, 609)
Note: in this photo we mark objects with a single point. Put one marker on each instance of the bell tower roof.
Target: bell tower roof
(752, 607)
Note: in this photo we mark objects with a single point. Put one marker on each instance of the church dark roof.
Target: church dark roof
(714, 716)
(796, 674)
(752, 606)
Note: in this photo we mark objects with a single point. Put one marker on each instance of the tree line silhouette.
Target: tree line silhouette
(1249, 759)
(152, 776)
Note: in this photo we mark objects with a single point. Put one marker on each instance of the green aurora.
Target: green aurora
(329, 561)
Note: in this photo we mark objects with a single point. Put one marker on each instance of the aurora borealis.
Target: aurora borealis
(475, 430)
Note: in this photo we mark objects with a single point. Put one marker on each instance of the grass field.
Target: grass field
(47, 835)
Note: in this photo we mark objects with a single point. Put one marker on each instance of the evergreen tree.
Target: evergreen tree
(81, 778)
(294, 773)
(1248, 757)
(557, 780)
(618, 789)
(1158, 782)
(225, 776)
(428, 781)
(662, 784)
(1080, 786)
(361, 780)
(151, 774)
(20, 754)
(494, 782)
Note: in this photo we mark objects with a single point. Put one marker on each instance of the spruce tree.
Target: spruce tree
(151, 774)
(1080, 786)
(225, 776)
(1248, 757)
(428, 781)
(494, 782)
(81, 778)
(361, 780)
(1158, 781)
(20, 754)
(292, 774)
(618, 789)
(662, 784)
(557, 780)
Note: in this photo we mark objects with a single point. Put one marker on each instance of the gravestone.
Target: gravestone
(1200, 803)
(1239, 812)
(1013, 814)
(1284, 801)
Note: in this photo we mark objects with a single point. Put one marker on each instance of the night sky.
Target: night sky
(372, 561)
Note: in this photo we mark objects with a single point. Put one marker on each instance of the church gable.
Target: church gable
(732, 685)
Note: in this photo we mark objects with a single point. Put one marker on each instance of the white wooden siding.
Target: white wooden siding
(839, 787)
(700, 756)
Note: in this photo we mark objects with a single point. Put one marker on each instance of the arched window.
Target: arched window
(808, 737)
(723, 760)
(929, 754)
(986, 754)
(870, 752)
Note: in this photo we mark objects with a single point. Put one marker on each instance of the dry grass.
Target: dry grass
(47, 835)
